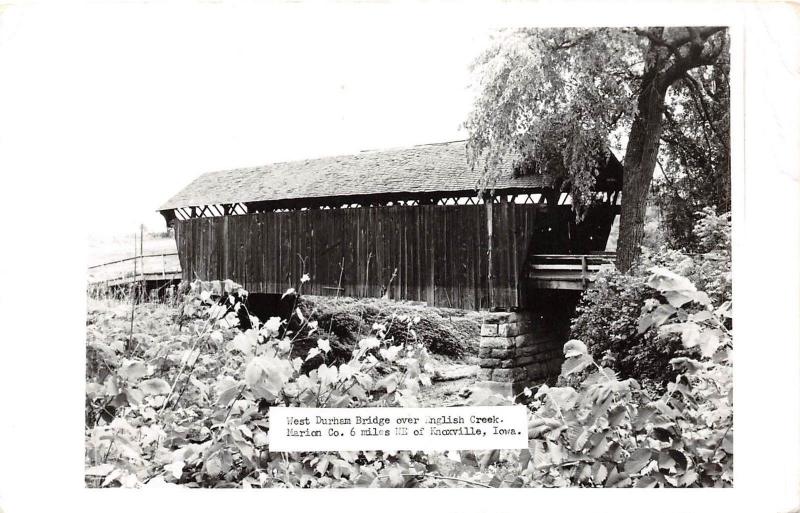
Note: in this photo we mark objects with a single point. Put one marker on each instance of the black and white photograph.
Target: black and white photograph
(358, 245)
(571, 253)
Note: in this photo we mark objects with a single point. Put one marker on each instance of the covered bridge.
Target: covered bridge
(406, 223)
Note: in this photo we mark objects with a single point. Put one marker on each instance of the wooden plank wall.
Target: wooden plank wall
(440, 252)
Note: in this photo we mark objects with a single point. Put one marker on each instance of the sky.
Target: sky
(149, 96)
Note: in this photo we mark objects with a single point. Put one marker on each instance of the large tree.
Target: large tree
(554, 99)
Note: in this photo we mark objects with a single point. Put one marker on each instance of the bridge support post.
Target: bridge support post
(517, 350)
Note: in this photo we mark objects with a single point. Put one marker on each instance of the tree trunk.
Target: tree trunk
(640, 162)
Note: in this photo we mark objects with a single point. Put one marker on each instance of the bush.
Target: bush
(607, 317)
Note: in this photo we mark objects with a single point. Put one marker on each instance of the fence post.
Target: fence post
(133, 278)
(142, 288)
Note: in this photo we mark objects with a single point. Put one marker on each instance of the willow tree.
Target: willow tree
(555, 99)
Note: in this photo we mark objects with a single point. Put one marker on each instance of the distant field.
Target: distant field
(103, 250)
(115, 248)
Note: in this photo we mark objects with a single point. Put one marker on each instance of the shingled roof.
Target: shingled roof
(424, 169)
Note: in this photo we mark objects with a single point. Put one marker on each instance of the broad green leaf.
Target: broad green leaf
(677, 298)
(100, 470)
(390, 354)
(227, 389)
(368, 343)
(213, 466)
(133, 370)
(253, 372)
(396, 477)
(687, 365)
(617, 479)
(662, 313)
(134, 395)
(664, 280)
(574, 365)
(389, 383)
(725, 310)
(680, 459)
(564, 397)
(666, 461)
(688, 479)
(580, 439)
(708, 342)
(538, 426)
(689, 332)
(661, 434)
(599, 445)
(646, 482)
(327, 375)
(242, 343)
(643, 416)
(312, 353)
(268, 374)
(616, 415)
(701, 316)
(599, 472)
(574, 348)
(154, 386)
(638, 460)
(175, 468)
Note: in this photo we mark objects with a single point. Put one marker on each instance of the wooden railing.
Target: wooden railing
(572, 272)
(157, 266)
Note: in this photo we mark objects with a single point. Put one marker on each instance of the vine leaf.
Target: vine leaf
(638, 460)
(154, 386)
(573, 365)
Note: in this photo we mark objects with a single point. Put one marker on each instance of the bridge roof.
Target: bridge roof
(424, 169)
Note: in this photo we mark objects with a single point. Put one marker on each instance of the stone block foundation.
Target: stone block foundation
(516, 351)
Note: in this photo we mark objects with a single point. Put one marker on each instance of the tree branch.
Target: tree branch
(701, 105)
(696, 55)
(657, 40)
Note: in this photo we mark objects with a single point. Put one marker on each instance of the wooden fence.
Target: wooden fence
(148, 267)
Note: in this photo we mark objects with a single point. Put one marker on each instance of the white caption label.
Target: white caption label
(391, 429)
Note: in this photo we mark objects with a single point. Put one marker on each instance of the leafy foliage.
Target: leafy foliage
(608, 315)
(190, 407)
(550, 99)
(608, 318)
(184, 399)
(606, 432)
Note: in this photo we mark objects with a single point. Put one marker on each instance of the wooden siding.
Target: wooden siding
(440, 252)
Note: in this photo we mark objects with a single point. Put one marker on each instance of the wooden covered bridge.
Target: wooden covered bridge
(405, 223)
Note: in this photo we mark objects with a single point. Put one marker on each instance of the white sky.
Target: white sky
(150, 96)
